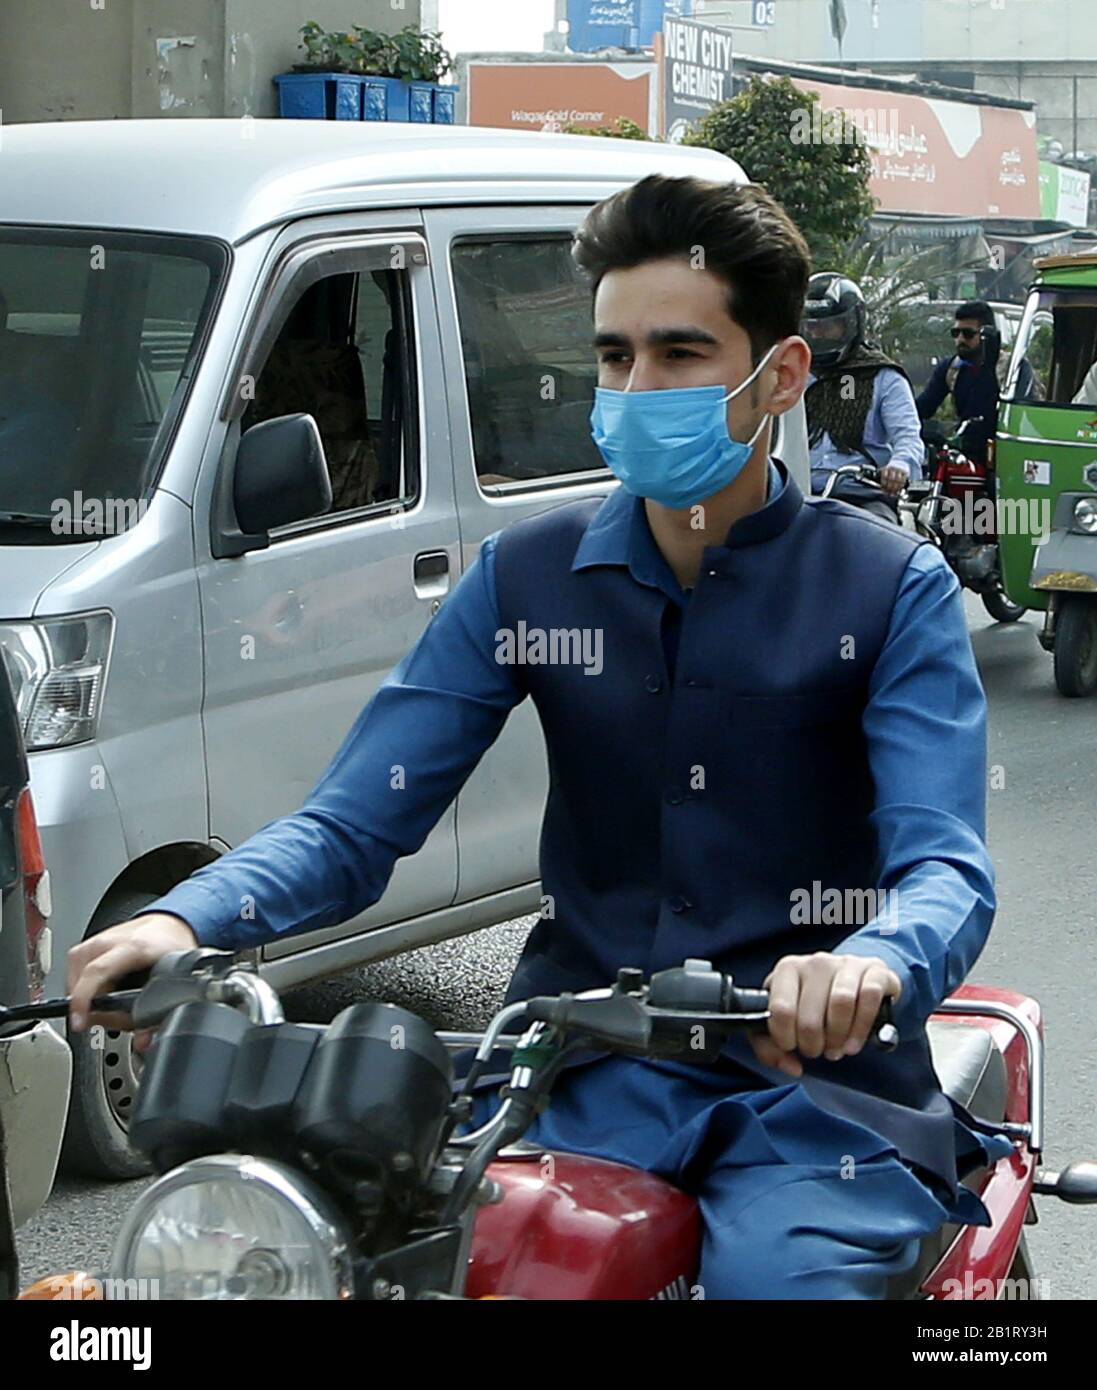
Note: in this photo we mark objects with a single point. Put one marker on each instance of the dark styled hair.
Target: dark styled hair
(742, 233)
(977, 309)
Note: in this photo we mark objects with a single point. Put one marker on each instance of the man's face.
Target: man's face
(967, 335)
(828, 330)
(664, 325)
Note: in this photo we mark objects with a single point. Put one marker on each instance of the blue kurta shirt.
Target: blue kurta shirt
(446, 702)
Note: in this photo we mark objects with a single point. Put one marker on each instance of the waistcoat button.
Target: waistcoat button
(679, 904)
(653, 684)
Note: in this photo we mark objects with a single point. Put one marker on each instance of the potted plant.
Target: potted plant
(328, 85)
(408, 68)
(366, 74)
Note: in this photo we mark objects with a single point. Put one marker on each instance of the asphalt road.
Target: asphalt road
(1042, 816)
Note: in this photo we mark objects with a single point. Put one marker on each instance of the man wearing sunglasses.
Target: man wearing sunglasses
(969, 375)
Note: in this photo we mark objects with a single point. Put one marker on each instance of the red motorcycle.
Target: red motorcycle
(303, 1161)
(954, 506)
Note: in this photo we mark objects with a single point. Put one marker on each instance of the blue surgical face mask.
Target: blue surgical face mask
(672, 446)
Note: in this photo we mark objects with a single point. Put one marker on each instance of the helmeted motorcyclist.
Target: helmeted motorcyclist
(860, 405)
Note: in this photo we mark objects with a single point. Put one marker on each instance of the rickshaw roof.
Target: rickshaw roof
(1063, 270)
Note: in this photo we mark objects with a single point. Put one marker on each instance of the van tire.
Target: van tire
(1076, 646)
(96, 1143)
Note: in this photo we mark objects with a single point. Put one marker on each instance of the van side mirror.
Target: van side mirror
(281, 474)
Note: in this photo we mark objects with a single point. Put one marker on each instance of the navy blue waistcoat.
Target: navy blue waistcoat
(684, 814)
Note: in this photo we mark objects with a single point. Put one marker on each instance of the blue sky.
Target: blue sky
(486, 25)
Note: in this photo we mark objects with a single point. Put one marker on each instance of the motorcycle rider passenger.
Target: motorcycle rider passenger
(860, 404)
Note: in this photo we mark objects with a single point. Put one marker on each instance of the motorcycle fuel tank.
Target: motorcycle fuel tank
(571, 1227)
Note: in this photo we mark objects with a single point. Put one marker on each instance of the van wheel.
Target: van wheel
(105, 1075)
(1000, 608)
(1076, 646)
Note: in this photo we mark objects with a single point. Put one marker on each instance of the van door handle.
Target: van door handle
(431, 574)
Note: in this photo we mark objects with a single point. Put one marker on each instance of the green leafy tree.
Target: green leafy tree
(901, 290)
(622, 129)
(814, 162)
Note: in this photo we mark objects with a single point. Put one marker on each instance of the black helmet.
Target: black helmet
(834, 318)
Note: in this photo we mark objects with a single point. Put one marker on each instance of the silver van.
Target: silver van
(193, 625)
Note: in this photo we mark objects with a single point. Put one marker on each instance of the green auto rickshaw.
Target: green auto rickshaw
(1046, 466)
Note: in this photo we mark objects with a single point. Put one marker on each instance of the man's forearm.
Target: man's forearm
(932, 925)
(297, 874)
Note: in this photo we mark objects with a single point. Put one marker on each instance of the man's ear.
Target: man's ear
(789, 367)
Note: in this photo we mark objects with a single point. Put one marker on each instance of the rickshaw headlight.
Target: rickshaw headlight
(1085, 515)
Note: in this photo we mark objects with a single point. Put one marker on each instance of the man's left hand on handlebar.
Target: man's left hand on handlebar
(98, 964)
(893, 479)
(822, 1005)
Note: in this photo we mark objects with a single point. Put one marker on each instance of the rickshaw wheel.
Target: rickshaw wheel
(1076, 646)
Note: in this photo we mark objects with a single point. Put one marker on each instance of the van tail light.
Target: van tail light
(36, 894)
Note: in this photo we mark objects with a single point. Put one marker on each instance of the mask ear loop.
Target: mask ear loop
(742, 387)
(753, 376)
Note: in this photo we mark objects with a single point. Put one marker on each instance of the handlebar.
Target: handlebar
(863, 472)
(688, 1011)
(685, 1012)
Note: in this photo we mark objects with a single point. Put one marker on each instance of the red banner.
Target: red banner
(952, 157)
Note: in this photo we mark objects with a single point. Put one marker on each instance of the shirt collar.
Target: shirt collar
(619, 534)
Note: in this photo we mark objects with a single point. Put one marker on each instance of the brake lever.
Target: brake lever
(120, 1002)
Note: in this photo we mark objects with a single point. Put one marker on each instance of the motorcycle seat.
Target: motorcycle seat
(970, 1068)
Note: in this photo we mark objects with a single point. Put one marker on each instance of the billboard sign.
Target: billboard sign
(954, 158)
(696, 73)
(1064, 194)
(553, 96)
(595, 24)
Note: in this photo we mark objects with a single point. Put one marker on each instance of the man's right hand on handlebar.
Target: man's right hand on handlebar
(98, 964)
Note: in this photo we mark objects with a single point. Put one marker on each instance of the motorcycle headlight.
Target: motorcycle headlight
(58, 668)
(232, 1227)
(1085, 515)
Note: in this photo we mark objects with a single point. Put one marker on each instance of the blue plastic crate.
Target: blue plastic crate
(385, 99)
(445, 105)
(322, 96)
(422, 101)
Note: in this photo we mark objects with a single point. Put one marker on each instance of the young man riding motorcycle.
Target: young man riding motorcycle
(860, 405)
(969, 376)
(773, 671)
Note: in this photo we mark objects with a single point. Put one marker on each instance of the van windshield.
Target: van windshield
(99, 337)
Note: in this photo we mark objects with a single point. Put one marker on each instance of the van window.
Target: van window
(99, 336)
(1058, 349)
(342, 357)
(530, 370)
